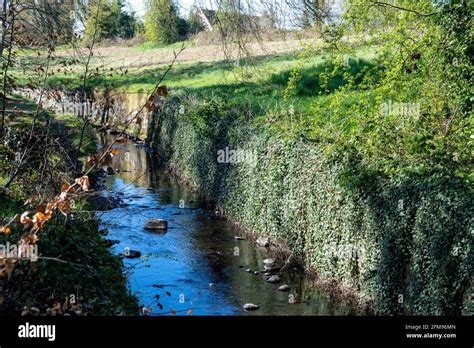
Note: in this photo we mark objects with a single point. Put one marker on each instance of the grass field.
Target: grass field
(259, 80)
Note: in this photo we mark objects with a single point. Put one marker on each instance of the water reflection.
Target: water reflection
(194, 265)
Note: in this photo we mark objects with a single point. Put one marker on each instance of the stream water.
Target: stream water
(197, 264)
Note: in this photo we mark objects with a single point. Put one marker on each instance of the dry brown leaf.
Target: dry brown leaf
(68, 188)
(162, 91)
(154, 102)
(64, 207)
(66, 304)
(83, 183)
(29, 200)
(5, 229)
(29, 239)
(157, 101)
(40, 218)
(90, 161)
(9, 267)
(50, 207)
(25, 219)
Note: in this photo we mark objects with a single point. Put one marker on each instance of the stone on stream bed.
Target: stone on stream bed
(263, 242)
(274, 279)
(251, 307)
(132, 254)
(110, 242)
(268, 262)
(157, 225)
(102, 203)
(273, 268)
(284, 287)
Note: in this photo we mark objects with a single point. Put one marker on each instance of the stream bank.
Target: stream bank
(202, 265)
(394, 241)
(76, 273)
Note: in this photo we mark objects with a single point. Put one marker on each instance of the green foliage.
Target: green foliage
(403, 241)
(162, 24)
(106, 19)
(90, 272)
(86, 267)
(427, 65)
(195, 24)
(183, 28)
(326, 78)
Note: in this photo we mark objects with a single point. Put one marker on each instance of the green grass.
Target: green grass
(258, 84)
(74, 122)
(146, 46)
(261, 71)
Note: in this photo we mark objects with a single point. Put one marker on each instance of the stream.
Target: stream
(197, 267)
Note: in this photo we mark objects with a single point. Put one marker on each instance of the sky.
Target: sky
(139, 6)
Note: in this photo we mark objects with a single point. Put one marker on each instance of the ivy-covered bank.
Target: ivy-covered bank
(402, 242)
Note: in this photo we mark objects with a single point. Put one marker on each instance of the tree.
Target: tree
(183, 28)
(425, 49)
(42, 19)
(106, 19)
(195, 23)
(312, 13)
(161, 21)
